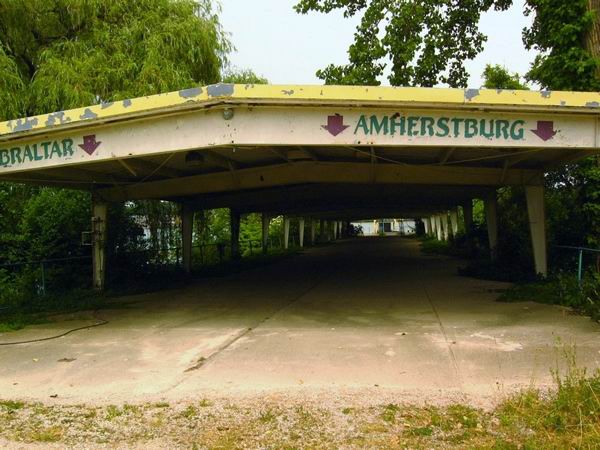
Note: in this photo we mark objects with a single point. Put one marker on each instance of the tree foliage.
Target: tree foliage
(559, 33)
(422, 43)
(69, 53)
(498, 77)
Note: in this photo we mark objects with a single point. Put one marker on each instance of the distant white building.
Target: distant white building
(402, 227)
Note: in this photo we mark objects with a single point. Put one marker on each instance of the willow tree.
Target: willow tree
(62, 54)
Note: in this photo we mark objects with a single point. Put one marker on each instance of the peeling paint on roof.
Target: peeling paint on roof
(105, 105)
(192, 92)
(220, 90)
(546, 94)
(25, 124)
(470, 94)
(402, 97)
(57, 118)
(88, 114)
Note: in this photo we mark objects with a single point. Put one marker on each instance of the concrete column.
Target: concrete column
(335, 230)
(445, 228)
(491, 219)
(187, 225)
(426, 224)
(286, 232)
(99, 217)
(235, 234)
(301, 232)
(468, 216)
(537, 224)
(322, 231)
(313, 231)
(438, 227)
(266, 221)
(454, 222)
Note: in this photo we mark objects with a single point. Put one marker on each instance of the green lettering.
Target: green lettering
(502, 129)
(4, 157)
(377, 127)
(517, 130)
(15, 155)
(68, 147)
(36, 156)
(456, 123)
(470, 128)
(482, 129)
(395, 124)
(362, 123)
(427, 124)
(442, 124)
(46, 150)
(413, 122)
(55, 150)
(27, 153)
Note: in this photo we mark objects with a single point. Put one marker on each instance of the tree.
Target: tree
(424, 42)
(498, 77)
(567, 36)
(69, 53)
(243, 76)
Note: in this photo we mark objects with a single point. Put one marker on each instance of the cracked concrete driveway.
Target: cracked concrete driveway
(365, 314)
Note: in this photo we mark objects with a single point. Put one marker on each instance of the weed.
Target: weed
(112, 412)
(190, 412)
(51, 434)
(205, 403)
(389, 413)
(11, 405)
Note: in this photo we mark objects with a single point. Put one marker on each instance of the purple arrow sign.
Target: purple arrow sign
(545, 130)
(89, 144)
(335, 124)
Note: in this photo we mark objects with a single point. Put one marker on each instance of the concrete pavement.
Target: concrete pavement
(367, 314)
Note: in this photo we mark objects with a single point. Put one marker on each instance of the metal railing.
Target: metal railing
(43, 265)
(581, 252)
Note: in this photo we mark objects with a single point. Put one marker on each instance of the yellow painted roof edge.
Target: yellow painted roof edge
(587, 102)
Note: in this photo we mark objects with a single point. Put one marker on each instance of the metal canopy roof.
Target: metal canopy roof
(209, 145)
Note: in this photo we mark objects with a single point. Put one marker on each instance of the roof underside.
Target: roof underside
(313, 174)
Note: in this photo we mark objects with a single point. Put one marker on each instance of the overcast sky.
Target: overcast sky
(288, 48)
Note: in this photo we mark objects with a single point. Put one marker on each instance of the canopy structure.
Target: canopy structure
(325, 152)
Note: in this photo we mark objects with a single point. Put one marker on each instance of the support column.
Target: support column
(426, 224)
(286, 232)
(266, 221)
(235, 234)
(438, 227)
(537, 225)
(322, 230)
(454, 222)
(301, 232)
(468, 216)
(313, 231)
(335, 230)
(187, 224)
(491, 219)
(445, 231)
(99, 217)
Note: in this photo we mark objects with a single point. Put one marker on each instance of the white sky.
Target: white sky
(288, 48)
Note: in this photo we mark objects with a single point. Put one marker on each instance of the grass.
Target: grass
(567, 416)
